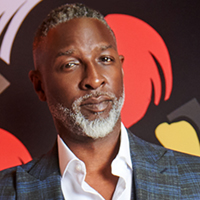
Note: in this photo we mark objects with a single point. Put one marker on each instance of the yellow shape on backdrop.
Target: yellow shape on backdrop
(178, 136)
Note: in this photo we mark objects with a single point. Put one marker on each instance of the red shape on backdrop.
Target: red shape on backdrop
(12, 151)
(138, 41)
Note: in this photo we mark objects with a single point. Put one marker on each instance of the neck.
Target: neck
(95, 153)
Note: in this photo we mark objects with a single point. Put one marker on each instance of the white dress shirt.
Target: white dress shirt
(73, 172)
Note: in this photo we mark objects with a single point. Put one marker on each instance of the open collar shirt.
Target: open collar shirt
(73, 172)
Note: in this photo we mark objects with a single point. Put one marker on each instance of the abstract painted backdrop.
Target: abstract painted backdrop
(161, 45)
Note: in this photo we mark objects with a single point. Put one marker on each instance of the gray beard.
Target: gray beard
(74, 120)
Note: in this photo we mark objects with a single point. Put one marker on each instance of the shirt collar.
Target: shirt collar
(66, 155)
(124, 149)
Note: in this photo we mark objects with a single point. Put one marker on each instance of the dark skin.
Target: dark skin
(77, 58)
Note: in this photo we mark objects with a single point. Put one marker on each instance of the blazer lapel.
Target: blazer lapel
(40, 179)
(155, 173)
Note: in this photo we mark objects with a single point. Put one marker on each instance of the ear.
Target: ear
(121, 58)
(36, 79)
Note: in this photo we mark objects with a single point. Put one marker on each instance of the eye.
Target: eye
(107, 59)
(69, 65)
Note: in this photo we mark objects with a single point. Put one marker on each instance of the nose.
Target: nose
(92, 77)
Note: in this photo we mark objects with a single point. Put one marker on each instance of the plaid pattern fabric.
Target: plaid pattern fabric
(36, 180)
(158, 174)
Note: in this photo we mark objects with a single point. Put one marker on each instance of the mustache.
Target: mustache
(97, 94)
(81, 99)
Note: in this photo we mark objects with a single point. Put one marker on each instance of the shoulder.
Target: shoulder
(35, 170)
(6, 176)
(8, 180)
(7, 185)
(187, 164)
(147, 148)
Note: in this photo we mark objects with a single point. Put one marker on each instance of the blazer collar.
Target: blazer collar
(40, 179)
(48, 164)
(140, 149)
(155, 172)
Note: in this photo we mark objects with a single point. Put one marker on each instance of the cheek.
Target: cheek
(62, 90)
(116, 82)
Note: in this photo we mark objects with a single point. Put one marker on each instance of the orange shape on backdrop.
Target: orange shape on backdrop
(138, 41)
(12, 151)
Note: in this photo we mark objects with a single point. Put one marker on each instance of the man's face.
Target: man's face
(81, 72)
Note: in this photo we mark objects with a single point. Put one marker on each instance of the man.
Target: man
(78, 72)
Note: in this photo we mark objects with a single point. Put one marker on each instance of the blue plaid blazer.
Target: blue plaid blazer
(158, 174)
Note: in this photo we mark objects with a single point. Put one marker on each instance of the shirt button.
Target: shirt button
(78, 167)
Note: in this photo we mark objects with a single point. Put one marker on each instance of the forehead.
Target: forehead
(81, 31)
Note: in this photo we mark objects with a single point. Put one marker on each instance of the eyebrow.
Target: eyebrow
(103, 48)
(68, 52)
(71, 51)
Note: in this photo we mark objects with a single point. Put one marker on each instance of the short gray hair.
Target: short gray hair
(65, 13)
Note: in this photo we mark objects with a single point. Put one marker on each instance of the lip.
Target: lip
(96, 104)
